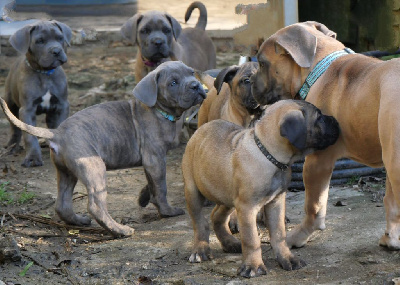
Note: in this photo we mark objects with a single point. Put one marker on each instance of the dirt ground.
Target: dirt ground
(347, 252)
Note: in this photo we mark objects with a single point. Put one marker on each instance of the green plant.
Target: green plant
(353, 180)
(25, 197)
(4, 195)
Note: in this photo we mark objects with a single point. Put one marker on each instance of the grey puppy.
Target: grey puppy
(117, 135)
(245, 169)
(160, 38)
(37, 83)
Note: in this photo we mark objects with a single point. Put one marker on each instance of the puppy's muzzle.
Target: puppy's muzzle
(330, 134)
(197, 90)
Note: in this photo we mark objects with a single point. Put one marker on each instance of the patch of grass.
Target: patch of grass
(353, 180)
(25, 197)
(7, 198)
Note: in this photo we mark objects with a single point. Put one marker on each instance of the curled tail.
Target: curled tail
(36, 131)
(202, 21)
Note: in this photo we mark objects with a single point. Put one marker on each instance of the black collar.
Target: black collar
(269, 156)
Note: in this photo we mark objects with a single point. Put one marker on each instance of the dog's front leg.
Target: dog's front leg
(33, 157)
(317, 173)
(275, 221)
(155, 169)
(252, 264)
(55, 118)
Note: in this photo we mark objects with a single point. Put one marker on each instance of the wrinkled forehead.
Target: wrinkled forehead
(43, 28)
(175, 69)
(154, 19)
(247, 69)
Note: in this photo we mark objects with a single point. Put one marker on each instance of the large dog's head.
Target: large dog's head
(153, 32)
(301, 125)
(286, 58)
(43, 42)
(238, 79)
(172, 87)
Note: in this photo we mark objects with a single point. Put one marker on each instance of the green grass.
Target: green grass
(7, 198)
(25, 197)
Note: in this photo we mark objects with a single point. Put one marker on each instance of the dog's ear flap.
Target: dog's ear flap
(147, 89)
(226, 75)
(66, 30)
(21, 39)
(176, 27)
(322, 28)
(299, 43)
(293, 127)
(129, 29)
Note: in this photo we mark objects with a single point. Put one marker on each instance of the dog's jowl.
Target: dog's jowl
(245, 169)
(37, 83)
(118, 135)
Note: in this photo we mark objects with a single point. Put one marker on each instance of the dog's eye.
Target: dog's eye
(246, 81)
(166, 30)
(173, 83)
(60, 38)
(39, 41)
(145, 31)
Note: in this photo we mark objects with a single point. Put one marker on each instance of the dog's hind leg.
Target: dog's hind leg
(91, 171)
(66, 182)
(195, 201)
(275, 221)
(220, 218)
(391, 238)
(389, 128)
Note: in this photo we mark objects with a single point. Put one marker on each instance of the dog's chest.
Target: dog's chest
(45, 103)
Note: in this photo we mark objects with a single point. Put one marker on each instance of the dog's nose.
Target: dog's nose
(195, 85)
(55, 51)
(157, 42)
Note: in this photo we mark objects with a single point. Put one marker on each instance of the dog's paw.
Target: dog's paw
(122, 231)
(201, 253)
(291, 263)
(248, 271)
(297, 237)
(391, 243)
(171, 212)
(32, 162)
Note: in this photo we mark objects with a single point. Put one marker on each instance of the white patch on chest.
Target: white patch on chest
(46, 100)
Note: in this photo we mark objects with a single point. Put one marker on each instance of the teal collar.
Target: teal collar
(169, 117)
(319, 69)
(47, 72)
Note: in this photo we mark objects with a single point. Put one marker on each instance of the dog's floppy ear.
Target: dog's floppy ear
(21, 39)
(129, 29)
(322, 28)
(147, 88)
(226, 75)
(65, 30)
(176, 27)
(299, 43)
(293, 127)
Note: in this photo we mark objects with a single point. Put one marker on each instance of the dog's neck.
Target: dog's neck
(37, 68)
(274, 143)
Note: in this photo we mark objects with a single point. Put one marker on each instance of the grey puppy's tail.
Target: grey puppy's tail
(36, 131)
(202, 21)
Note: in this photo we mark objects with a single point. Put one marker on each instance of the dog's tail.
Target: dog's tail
(202, 21)
(36, 131)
